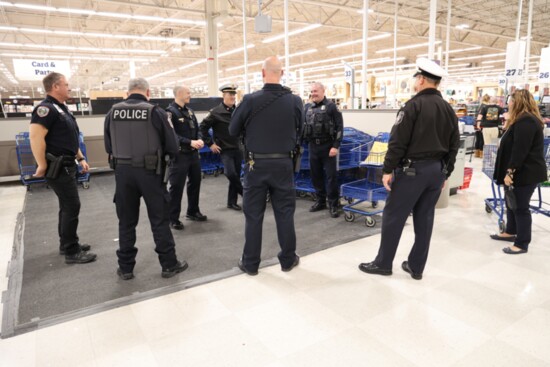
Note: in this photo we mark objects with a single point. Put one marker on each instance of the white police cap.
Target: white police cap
(429, 69)
(229, 88)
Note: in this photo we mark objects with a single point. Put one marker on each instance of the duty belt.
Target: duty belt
(320, 141)
(128, 162)
(270, 155)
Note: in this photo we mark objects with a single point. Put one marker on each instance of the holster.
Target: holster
(54, 166)
(297, 158)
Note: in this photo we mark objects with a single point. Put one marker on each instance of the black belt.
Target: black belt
(320, 141)
(269, 155)
(128, 162)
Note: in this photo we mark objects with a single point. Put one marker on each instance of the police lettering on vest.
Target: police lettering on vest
(130, 114)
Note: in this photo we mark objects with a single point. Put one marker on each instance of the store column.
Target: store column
(211, 48)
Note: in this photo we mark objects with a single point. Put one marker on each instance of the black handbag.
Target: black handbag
(510, 197)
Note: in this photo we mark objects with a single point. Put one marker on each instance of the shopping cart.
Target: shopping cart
(25, 160)
(496, 203)
(211, 163)
(370, 189)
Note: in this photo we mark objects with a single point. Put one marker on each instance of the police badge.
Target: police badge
(42, 111)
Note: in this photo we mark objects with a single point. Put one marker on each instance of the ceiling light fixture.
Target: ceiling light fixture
(373, 38)
(73, 48)
(292, 33)
(406, 47)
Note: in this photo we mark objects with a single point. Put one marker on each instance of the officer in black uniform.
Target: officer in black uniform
(140, 140)
(224, 144)
(421, 154)
(324, 131)
(271, 122)
(186, 164)
(54, 138)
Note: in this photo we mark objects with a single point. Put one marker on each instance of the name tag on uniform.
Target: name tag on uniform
(322, 107)
(131, 114)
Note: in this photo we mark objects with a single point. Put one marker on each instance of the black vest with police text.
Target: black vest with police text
(133, 135)
(319, 125)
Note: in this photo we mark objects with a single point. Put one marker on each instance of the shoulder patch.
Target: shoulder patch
(42, 111)
(399, 117)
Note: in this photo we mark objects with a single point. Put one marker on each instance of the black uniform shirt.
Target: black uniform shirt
(185, 123)
(426, 128)
(277, 127)
(160, 122)
(62, 136)
(218, 120)
(334, 113)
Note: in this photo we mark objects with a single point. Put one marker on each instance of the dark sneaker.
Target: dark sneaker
(178, 268)
(317, 207)
(294, 264)
(124, 276)
(177, 225)
(81, 257)
(198, 216)
(83, 247)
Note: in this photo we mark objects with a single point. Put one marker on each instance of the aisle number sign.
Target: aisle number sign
(502, 81)
(37, 69)
(348, 73)
(544, 67)
(515, 60)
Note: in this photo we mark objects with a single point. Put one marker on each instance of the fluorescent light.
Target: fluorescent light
(102, 14)
(103, 58)
(373, 38)
(297, 31)
(462, 26)
(406, 47)
(96, 35)
(91, 49)
(240, 49)
(370, 11)
(479, 56)
(456, 51)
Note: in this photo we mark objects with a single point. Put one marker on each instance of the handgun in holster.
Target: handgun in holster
(54, 166)
(297, 158)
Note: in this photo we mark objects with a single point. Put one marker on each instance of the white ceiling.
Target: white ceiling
(107, 34)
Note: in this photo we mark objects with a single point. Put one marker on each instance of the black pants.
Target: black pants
(184, 166)
(519, 221)
(418, 194)
(65, 187)
(275, 176)
(479, 140)
(132, 183)
(232, 160)
(324, 167)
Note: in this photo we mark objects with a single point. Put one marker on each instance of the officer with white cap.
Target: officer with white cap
(421, 155)
(224, 144)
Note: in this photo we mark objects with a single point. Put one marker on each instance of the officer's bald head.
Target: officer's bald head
(182, 94)
(272, 70)
(139, 86)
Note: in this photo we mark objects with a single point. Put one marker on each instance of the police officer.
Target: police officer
(186, 164)
(54, 138)
(323, 130)
(139, 138)
(421, 155)
(224, 144)
(271, 122)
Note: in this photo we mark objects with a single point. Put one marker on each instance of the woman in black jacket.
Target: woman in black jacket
(520, 162)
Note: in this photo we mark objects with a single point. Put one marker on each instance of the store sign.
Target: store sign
(544, 65)
(348, 73)
(502, 81)
(515, 60)
(37, 69)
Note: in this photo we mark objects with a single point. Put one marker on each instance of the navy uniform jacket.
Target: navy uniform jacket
(277, 127)
(160, 123)
(185, 124)
(62, 136)
(218, 120)
(335, 115)
(522, 149)
(426, 128)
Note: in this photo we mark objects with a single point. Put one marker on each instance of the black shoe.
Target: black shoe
(177, 225)
(318, 206)
(124, 276)
(372, 268)
(178, 268)
(334, 212)
(503, 238)
(509, 251)
(198, 216)
(405, 266)
(244, 270)
(81, 257)
(83, 247)
(234, 206)
(294, 264)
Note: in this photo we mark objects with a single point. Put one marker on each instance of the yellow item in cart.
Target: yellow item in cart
(377, 154)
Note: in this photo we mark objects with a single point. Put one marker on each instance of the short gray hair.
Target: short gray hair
(139, 84)
(318, 84)
(177, 89)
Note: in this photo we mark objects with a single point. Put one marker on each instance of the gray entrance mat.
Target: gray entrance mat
(43, 290)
